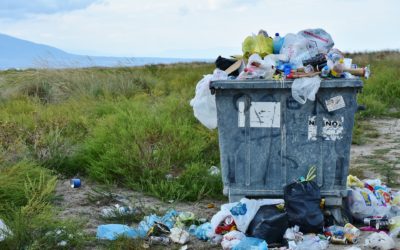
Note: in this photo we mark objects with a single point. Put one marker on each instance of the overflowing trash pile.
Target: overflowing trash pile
(306, 57)
(296, 222)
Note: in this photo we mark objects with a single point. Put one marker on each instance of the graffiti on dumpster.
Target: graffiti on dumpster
(332, 129)
(312, 128)
(265, 114)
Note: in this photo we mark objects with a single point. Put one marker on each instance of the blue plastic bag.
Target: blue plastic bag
(251, 243)
(113, 231)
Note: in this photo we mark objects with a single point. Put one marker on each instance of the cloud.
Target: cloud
(206, 28)
(20, 9)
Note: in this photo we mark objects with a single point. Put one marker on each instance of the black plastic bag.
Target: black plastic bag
(224, 63)
(302, 203)
(268, 224)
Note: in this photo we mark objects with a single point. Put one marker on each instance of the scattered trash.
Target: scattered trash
(62, 243)
(4, 231)
(159, 240)
(354, 248)
(311, 242)
(394, 226)
(158, 229)
(378, 222)
(231, 239)
(210, 205)
(380, 241)
(178, 235)
(116, 211)
(75, 183)
(214, 170)
(113, 231)
(204, 231)
(185, 219)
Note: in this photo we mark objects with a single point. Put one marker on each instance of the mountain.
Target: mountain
(22, 54)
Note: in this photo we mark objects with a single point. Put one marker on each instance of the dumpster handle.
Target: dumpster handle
(247, 102)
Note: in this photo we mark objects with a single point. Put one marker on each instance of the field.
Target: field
(127, 128)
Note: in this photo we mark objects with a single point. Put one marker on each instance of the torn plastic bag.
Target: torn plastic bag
(305, 88)
(269, 224)
(257, 44)
(322, 40)
(302, 203)
(204, 107)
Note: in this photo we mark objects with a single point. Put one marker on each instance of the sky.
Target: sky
(195, 28)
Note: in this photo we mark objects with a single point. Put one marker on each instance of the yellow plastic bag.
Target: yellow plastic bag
(353, 181)
(257, 44)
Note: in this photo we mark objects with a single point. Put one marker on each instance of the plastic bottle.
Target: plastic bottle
(278, 42)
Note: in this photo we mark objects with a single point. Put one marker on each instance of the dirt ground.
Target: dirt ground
(86, 202)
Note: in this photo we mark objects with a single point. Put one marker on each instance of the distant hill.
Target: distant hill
(21, 54)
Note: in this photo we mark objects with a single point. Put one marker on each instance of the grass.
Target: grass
(130, 127)
(26, 194)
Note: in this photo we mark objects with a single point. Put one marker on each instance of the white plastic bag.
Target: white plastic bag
(380, 241)
(204, 107)
(305, 88)
(297, 49)
(319, 37)
(363, 203)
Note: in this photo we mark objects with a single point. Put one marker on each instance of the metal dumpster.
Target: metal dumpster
(267, 139)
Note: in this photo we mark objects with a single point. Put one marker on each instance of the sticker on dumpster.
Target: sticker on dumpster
(265, 114)
(312, 128)
(241, 115)
(332, 129)
(335, 103)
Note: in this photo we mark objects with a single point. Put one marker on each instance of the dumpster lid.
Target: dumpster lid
(287, 84)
